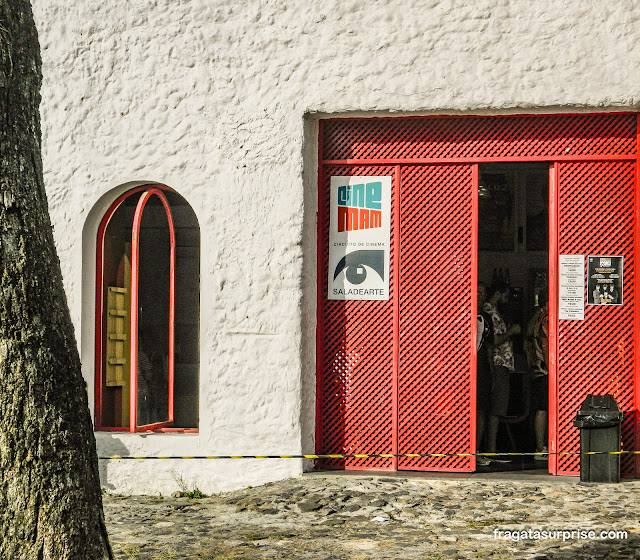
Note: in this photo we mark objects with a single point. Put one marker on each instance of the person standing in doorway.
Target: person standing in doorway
(503, 360)
(484, 345)
(538, 359)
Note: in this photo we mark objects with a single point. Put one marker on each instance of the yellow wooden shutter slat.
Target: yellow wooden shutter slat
(117, 351)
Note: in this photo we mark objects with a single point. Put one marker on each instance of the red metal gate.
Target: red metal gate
(596, 209)
(356, 355)
(397, 376)
(435, 371)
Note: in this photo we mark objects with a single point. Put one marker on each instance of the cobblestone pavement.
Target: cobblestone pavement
(333, 517)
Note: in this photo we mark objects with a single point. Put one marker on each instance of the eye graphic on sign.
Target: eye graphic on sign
(356, 262)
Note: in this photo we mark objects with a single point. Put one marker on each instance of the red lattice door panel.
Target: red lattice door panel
(596, 217)
(435, 361)
(356, 357)
(456, 137)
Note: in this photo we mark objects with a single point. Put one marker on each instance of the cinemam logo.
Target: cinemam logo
(360, 206)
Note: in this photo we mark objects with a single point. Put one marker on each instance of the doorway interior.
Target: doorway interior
(513, 247)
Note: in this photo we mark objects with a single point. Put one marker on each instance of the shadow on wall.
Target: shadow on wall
(309, 291)
(115, 448)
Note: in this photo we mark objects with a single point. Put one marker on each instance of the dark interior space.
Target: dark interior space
(513, 200)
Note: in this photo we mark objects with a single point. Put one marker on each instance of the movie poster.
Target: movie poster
(605, 280)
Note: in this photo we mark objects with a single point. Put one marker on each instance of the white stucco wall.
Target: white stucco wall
(220, 101)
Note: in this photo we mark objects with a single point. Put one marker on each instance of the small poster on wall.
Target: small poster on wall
(359, 238)
(605, 282)
(571, 288)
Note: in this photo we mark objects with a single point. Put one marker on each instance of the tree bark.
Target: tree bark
(50, 499)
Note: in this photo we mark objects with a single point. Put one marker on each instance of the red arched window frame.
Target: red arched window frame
(148, 192)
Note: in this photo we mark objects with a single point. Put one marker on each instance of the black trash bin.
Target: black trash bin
(599, 420)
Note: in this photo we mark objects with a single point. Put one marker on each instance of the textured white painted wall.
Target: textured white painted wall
(220, 100)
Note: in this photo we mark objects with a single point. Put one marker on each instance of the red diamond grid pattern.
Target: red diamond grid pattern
(596, 201)
(357, 360)
(434, 377)
(474, 136)
(596, 217)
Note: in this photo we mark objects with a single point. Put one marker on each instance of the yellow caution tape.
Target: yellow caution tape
(378, 455)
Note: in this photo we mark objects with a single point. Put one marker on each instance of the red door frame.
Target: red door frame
(553, 271)
(552, 415)
(474, 311)
(637, 309)
(99, 373)
(135, 270)
(396, 319)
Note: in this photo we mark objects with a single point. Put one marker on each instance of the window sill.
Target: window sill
(156, 431)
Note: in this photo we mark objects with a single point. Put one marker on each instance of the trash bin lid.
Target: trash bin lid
(603, 403)
(598, 411)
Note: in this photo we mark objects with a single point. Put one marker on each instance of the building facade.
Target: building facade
(188, 149)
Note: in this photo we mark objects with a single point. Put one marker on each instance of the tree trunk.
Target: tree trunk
(50, 500)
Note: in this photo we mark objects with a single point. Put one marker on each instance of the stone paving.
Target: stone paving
(328, 516)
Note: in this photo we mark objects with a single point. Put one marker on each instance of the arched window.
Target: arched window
(147, 313)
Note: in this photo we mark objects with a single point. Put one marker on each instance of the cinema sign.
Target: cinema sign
(359, 238)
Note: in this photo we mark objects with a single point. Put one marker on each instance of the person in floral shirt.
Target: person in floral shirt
(537, 347)
(503, 361)
(484, 371)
